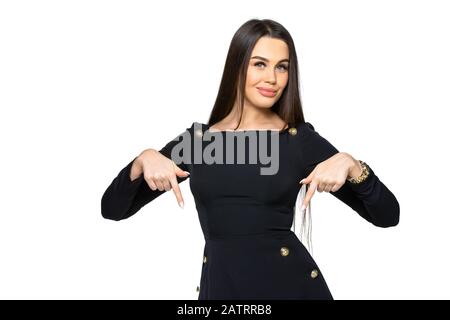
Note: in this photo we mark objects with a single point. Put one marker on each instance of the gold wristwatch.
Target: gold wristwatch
(363, 176)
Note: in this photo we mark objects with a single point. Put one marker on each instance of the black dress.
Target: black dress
(250, 250)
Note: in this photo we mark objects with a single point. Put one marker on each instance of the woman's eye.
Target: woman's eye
(262, 63)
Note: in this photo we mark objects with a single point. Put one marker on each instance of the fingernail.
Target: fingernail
(303, 207)
(301, 181)
(187, 173)
(181, 203)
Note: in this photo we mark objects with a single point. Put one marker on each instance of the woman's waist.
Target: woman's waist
(257, 234)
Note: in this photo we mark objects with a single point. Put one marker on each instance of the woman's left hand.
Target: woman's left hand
(330, 175)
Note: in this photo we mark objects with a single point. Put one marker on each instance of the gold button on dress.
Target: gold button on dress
(199, 133)
(314, 273)
(293, 131)
(284, 251)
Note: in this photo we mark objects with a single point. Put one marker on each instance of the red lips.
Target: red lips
(266, 89)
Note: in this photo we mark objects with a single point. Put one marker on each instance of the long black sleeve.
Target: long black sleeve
(371, 199)
(123, 197)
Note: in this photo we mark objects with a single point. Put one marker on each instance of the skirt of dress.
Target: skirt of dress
(264, 266)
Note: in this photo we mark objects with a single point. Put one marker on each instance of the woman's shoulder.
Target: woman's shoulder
(305, 125)
(194, 127)
(197, 128)
(305, 129)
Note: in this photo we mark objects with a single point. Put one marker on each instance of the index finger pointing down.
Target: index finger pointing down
(312, 188)
(177, 191)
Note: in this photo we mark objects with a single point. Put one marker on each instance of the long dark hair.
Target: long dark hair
(232, 86)
(288, 107)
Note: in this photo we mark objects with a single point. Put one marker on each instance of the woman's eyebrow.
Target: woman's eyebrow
(265, 59)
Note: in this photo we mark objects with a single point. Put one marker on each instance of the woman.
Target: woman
(246, 215)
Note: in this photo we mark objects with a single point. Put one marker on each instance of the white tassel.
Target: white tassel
(303, 220)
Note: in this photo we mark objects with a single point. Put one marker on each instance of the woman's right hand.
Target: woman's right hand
(159, 172)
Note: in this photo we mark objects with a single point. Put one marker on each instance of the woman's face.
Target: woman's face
(271, 73)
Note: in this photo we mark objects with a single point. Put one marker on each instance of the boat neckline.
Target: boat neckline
(208, 127)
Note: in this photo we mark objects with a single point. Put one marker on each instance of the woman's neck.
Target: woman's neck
(252, 117)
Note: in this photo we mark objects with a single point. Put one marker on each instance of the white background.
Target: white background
(85, 86)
